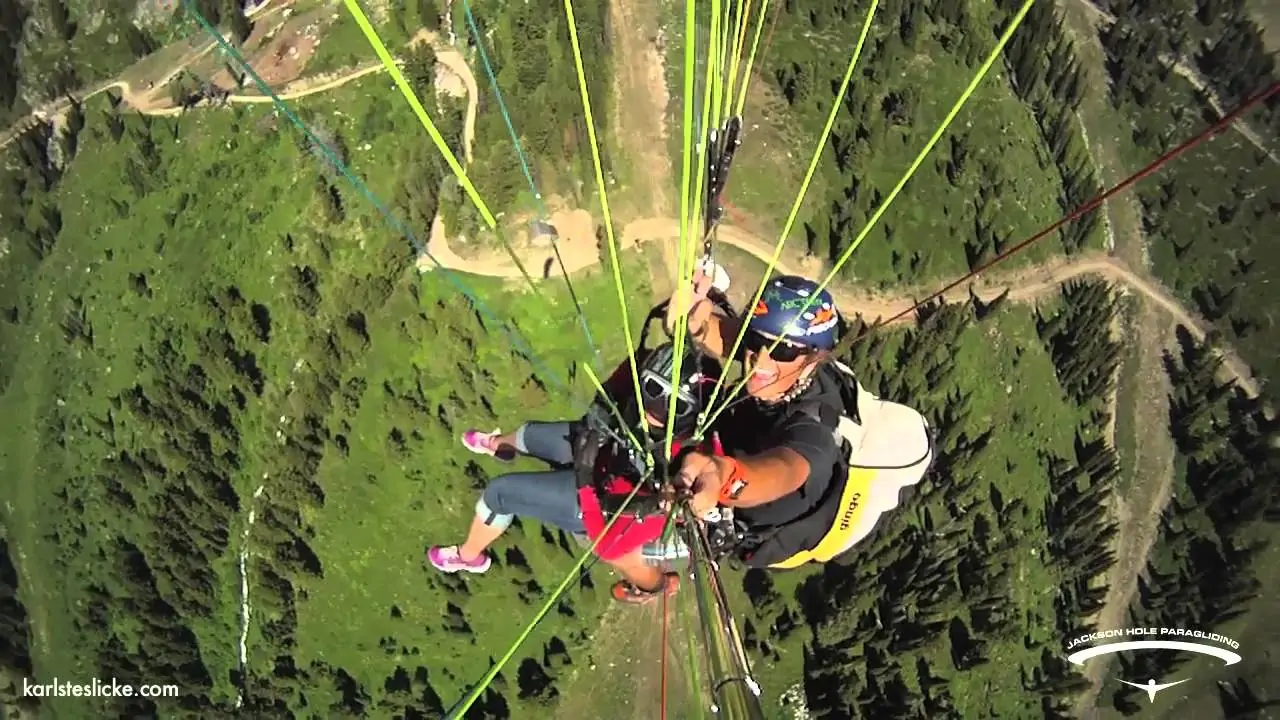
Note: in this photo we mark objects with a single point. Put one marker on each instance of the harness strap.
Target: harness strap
(856, 488)
(851, 491)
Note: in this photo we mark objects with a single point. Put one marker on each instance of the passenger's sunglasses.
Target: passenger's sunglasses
(656, 392)
(784, 352)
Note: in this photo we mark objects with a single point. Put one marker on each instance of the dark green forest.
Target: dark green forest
(935, 618)
(1218, 530)
(888, 657)
(960, 209)
(222, 376)
(1209, 215)
(206, 408)
(923, 623)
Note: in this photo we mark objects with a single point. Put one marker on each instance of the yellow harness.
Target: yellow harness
(852, 504)
(899, 434)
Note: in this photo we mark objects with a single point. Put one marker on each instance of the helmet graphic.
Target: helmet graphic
(792, 309)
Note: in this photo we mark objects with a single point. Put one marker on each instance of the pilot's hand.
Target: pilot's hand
(702, 475)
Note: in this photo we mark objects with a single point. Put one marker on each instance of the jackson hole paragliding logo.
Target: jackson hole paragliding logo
(1194, 641)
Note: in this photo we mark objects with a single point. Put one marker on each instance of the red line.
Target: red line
(734, 213)
(1088, 207)
(664, 650)
(768, 38)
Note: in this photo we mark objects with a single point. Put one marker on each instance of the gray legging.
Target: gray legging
(550, 495)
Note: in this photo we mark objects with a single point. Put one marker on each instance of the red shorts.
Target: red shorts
(628, 534)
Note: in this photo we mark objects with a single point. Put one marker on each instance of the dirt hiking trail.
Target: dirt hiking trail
(155, 100)
(1137, 507)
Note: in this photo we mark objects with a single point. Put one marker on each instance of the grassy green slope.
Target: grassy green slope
(242, 212)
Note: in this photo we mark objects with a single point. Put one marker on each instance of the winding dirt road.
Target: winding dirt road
(445, 55)
(150, 102)
(154, 101)
(1023, 284)
(578, 246)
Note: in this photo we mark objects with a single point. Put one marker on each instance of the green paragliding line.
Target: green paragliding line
(734, 691)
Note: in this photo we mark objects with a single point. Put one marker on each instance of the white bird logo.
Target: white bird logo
(1151, 688)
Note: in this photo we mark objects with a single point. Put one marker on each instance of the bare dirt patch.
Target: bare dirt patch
(278, 48)
(640, 106)
(284, 57)
(449, 82)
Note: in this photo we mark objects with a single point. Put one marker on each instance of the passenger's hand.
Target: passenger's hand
(703, 475)
(691, 300)
(703, 281)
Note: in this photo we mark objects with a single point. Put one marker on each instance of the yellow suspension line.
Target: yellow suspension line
(687, 252)
(722, 50)
(735, 58)
(751, 60)
(795, 206)
(604, 198)
(683, 297)
(915, 165)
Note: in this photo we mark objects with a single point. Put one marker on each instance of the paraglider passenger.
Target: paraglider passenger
(592, 473)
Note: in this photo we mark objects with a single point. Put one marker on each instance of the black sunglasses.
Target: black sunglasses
(784, 352)
(657, 392)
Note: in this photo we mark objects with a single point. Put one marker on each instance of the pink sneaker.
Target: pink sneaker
(446, 559)
(482, 444)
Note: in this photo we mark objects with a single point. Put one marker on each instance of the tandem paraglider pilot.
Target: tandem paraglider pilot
(812, 459)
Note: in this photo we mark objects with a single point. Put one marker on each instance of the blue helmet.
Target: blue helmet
(789, 310)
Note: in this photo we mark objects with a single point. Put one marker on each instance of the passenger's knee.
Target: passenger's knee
(521, 446)
(548, 441)
(491, 509)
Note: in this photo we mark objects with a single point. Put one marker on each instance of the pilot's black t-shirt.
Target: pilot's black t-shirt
(751, 427)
